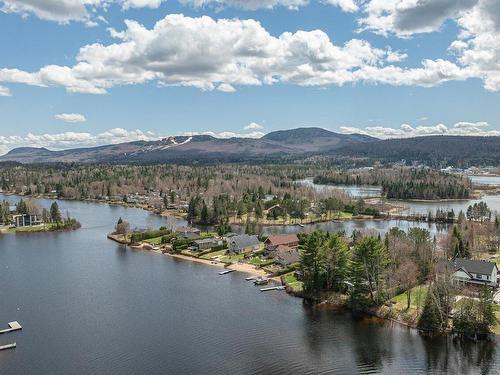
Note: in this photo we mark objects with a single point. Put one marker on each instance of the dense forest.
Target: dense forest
(404, 183)
(435, 151)
(399, 275)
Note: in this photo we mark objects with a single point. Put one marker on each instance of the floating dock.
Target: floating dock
(281, 287)
(8, 346)
(13, 326)
(225, 272)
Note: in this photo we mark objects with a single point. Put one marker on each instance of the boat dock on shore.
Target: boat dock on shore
(13, 326)
(279, 287)
(225, 272)
(8, 346)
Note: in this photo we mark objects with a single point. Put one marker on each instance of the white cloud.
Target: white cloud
(207, 54)
(4, 91)
(408, 131)
(395, 56)
(71, 117)
(59, 141)
(62, 11)
(227, 134)
(253, 126)
(477, 47)
(346, 5)
(247, 4)
(225, 87)
(407, 17)
(126, 4)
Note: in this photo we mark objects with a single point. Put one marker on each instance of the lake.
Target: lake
(88, 305)
(355, 191)
(418, 207)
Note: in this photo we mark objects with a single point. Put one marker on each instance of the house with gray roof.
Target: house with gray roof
(468, 271)
(243, 243)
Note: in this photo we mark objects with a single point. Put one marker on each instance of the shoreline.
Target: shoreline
(239, 267)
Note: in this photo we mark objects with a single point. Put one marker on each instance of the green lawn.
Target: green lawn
(208, 256)
(34, 228)
(232, 258)
(418, 295)
(258, 261)
(496, 327)
(292, 282)
(154, 241)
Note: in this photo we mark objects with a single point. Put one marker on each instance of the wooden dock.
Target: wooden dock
(226, 272)
(280, 287)
(13, 326)
(8, 346)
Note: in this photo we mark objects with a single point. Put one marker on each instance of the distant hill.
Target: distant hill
(198, 149)
(315, 139)
(283, 145)
(432, 150)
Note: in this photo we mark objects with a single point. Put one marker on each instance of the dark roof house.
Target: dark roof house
(243, 243)
(468, 271)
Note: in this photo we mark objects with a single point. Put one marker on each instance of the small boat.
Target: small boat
(251, 278)
(301, 225)
(261, 281)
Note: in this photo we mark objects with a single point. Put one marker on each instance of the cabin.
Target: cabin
(243, 243)
(289, 240)
(26, 220)
(473, 272)
(205, 244)
(286, 256)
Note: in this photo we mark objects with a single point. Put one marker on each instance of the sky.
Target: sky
(77, 73)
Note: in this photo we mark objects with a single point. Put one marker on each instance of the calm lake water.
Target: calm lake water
(88, 305)
(414, 207)
(355, 191)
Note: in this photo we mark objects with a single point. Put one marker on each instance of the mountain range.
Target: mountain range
(283, 145)
(199, 148)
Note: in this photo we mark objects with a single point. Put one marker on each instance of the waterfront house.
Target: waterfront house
(188, 233)
(26, 220)
(243, 243)
(289, 240)
(286, 256)
(473, 272)
(207, 243)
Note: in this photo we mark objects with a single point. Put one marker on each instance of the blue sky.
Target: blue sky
(73, 73)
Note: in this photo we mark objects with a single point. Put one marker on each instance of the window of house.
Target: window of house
(479, 276)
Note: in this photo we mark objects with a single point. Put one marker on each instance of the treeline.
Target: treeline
(371, 270)
(404, 183)
(178, 183)
(374, 269)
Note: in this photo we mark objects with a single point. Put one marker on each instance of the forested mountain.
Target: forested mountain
(274, 146)
(280, 146)
(431, 150)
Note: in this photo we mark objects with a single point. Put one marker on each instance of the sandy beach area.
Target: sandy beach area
(239, 267)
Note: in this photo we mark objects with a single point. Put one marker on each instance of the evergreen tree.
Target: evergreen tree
(370, 261)
(55, 213)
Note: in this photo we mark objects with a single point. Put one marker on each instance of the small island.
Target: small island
(26, 216)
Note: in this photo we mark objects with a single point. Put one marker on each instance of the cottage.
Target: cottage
(470, 272)
(289, 240)
(208, 243)
(243, 244)
(285, 256)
